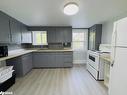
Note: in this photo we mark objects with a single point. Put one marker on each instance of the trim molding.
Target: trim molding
(79, 61)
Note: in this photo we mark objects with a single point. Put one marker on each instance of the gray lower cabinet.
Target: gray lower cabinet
(43, 60)
(22, 64)
(52, 59)
(68, 59)
(4, 28)
(59, 59)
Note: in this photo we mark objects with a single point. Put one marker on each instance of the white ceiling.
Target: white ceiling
(50, 12)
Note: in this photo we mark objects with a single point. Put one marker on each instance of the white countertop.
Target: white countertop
(19, 52)
(106, 57)
(53, 50)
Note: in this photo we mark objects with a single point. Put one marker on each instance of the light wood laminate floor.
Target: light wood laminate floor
(63, 81)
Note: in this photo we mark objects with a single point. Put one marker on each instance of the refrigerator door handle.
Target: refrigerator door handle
(114, 35)
(112, 63)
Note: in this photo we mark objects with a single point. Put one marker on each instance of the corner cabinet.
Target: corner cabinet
(26, 35)
(94, 37)
(15, 31)
(22, 64)
(4, 28)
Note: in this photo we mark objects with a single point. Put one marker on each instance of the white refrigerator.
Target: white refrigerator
(118, 73)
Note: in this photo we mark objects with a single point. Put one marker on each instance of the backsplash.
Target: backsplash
(33, 46)
(12, 46)
(21, 46)
(50, 45)
(55, 46)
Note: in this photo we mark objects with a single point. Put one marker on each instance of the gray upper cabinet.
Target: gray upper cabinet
(59, 34)
(67, 34)
(26, 35)
(4, 28)
(15, 31)
(51, 35)
(94, 37)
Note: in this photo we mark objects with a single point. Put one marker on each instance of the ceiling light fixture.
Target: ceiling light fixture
(71, 8)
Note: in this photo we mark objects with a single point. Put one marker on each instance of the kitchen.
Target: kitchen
(63, 51)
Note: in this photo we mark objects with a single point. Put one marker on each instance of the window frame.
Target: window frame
(33, 38)
(80, 41)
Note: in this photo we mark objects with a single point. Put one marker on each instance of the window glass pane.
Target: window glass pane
(38, 38)
(78, 45)
(44, 38)
(78, 36)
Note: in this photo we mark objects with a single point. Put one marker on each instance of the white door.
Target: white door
(121, 35)
(118, 74)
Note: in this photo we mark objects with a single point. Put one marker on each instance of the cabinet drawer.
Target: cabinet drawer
(93, 72)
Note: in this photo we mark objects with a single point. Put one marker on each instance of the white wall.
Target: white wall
(107, 28)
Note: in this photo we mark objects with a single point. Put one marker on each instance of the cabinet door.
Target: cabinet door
(26, 35)
(51, 60)
(40, 60)
(59, 59)
(4, 29)
(67, 34)
(68, 59)
(51, 35)
(92, 40)
(27, 63)
(98, 36)
(15, 31)
(59, 35)
(16, 62)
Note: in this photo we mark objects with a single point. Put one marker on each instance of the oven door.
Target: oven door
(93, 60)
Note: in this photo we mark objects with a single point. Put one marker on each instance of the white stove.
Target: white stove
(94, 64)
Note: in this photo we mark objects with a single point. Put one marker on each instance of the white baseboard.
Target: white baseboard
(79, 61)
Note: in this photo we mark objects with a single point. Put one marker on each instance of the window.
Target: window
(79, 40)
(40, 38)
(80, 43)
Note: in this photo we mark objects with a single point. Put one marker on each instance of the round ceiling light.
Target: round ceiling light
(71, 8)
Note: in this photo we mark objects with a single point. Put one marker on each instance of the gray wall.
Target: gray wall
(107, 28)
